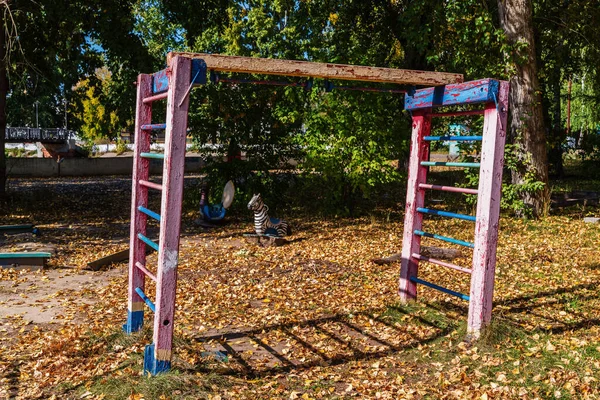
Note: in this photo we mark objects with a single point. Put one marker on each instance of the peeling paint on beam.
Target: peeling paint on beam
(473, 92)
(307, 69)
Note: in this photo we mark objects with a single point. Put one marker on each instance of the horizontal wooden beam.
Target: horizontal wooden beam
(473, 92)
(307, 69)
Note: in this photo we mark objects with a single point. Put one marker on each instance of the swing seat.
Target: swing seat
(214, 212)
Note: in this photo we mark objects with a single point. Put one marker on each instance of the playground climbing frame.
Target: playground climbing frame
(494, 96)
(186, 70)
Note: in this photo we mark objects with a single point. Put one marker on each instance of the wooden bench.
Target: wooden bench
(30, 260)
(9, 229)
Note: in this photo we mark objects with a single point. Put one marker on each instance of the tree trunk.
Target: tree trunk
(3, 93)
(526, 123)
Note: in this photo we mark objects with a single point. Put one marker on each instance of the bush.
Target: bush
(590, 145)
(350, 139)
(15, 152)
(512, 194)
(121, 147)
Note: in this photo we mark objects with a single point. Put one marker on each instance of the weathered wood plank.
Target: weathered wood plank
(265, 240)
(160, 81)
(473, 92)
(120, 256)
(433, 252)
(113, 258)
(488, 213)
(6, 256)
(307, 69)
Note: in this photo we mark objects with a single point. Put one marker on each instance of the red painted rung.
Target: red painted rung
(448, 188)
(156, 97)
(441, 263)
(151, 185)
(458, 113)
(145, 270)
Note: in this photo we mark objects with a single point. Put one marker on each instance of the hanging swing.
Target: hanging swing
(216, 212)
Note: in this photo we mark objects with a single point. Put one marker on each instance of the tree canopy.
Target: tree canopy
(54, 48)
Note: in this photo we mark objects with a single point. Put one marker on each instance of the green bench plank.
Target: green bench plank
(10, 227)
(25, 255)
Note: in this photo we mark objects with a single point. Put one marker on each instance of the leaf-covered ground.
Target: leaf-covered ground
(315, 318)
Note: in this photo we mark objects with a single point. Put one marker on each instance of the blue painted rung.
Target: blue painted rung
(154, 127)
(452, 138)
(446, 214)
(149, 213)
(148, 241)
(149, 302)
(450, 164)
(444, 238)
(440, 288)
(156, 156)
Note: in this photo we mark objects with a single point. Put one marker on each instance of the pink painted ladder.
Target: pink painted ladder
(172, 84)
(494, 95)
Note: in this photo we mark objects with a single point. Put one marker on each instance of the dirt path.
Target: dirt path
(48, 299)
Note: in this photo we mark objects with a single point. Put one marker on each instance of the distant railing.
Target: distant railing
(53, 135)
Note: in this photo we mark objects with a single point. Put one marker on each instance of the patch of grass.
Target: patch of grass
(579, 175)
(118, 338)
(172, 385)
(498, 332)
(431, 315)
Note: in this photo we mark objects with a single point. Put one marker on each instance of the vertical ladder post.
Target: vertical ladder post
(139, 193)
(415, 198)
(488, 213)
(158, 355)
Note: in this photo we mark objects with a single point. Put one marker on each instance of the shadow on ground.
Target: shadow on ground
(326, 341)
(338, 339)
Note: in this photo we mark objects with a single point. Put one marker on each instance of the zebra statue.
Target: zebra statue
(265, 225)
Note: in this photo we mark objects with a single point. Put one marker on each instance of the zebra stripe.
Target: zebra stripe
(263, 224)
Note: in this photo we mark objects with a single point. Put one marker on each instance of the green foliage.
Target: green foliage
(61, 42)
(121, 147)
(590, 144)
(95, 121)
(15, 152)
(585, 108)
(515, 158)
(468, 40)
(158, 34)
(87, 149)
(348, 138)
(351, 139)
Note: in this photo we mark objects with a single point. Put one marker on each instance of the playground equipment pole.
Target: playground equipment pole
(37, 122)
